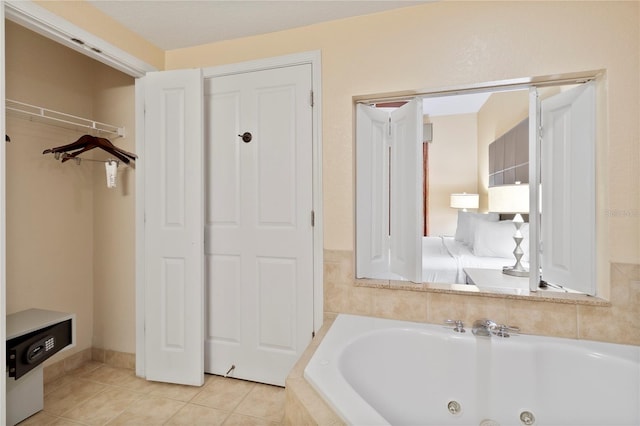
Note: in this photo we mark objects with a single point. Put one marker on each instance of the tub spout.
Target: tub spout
(487, 327)
(483, 327)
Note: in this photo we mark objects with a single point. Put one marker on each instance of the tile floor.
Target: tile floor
(97, 394)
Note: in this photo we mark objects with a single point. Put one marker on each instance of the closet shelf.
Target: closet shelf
(62, 119)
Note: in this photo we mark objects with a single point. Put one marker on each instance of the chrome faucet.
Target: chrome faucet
(482, 327)
(486, 327)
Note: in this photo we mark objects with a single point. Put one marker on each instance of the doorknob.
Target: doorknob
(246, 137)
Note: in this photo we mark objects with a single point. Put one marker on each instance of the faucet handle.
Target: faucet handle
(502, 330)
(458, 325)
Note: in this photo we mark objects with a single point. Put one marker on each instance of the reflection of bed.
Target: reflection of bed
(444, 258)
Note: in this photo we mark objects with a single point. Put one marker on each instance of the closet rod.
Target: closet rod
(61, 117)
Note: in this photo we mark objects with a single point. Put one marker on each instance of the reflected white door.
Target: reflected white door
(372, 193)
(258, 228)
(406, 191)
(567, 168)
(389, 196)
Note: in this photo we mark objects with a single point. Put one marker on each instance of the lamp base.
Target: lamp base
(514, 271)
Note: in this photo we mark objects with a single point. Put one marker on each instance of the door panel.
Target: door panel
(223, 172)
(259, 243)
(389, 192)
(372, 201)
(173, 227)
(406, 191)
(568, 189)
(224, 301)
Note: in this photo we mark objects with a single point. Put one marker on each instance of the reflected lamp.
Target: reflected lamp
(464, 201)
(512, 199)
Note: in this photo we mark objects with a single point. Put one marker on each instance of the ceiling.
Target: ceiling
(174, 24)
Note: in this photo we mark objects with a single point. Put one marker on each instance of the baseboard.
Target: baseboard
(104, 356)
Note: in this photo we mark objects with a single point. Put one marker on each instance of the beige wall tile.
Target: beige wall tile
(444, 306)
(550, 319)
(616, 323)
(399, 304)
(619, 322)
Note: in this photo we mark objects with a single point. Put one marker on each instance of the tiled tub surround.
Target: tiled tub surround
(614, 322)
(377, 371)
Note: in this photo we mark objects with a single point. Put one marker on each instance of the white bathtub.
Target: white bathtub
(374, 371)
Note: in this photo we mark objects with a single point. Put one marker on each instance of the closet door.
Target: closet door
(173, 172)
(259, 231)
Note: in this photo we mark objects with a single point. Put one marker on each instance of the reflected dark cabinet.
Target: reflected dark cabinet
(509, 156)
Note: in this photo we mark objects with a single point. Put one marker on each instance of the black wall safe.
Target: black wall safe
(26, 352)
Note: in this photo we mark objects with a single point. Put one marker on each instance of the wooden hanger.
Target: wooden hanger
(89, 142)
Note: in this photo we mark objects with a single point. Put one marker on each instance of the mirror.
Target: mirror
(477, 142)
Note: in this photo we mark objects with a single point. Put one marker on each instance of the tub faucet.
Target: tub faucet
(482, 327)
(487, 327)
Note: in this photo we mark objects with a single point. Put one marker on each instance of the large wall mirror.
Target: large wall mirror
(491, 186)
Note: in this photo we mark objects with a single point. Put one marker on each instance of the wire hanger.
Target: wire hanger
(89, 142)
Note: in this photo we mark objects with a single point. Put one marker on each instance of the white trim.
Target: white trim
(140, 230)
(534, 189)
(50, 25)
(313, 58)
(3, 233)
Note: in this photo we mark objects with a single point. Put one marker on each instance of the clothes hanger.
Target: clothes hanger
(80, 143)
(105, 145)
(88, 142)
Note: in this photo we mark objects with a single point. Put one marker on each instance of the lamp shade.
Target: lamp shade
(464, 201)
(509, 198)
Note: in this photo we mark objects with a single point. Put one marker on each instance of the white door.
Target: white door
(258, 226)
(406, 191)
(372, 200)
(567, 167)
(389, 192)
(173, 210)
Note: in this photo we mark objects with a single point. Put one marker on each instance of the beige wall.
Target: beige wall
(114, 254)
(453, 165)
(70, 241)
(460, 43)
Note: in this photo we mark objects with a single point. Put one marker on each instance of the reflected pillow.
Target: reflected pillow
(495, 239)
(467, 223)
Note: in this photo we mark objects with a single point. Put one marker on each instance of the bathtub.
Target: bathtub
(373, 371)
